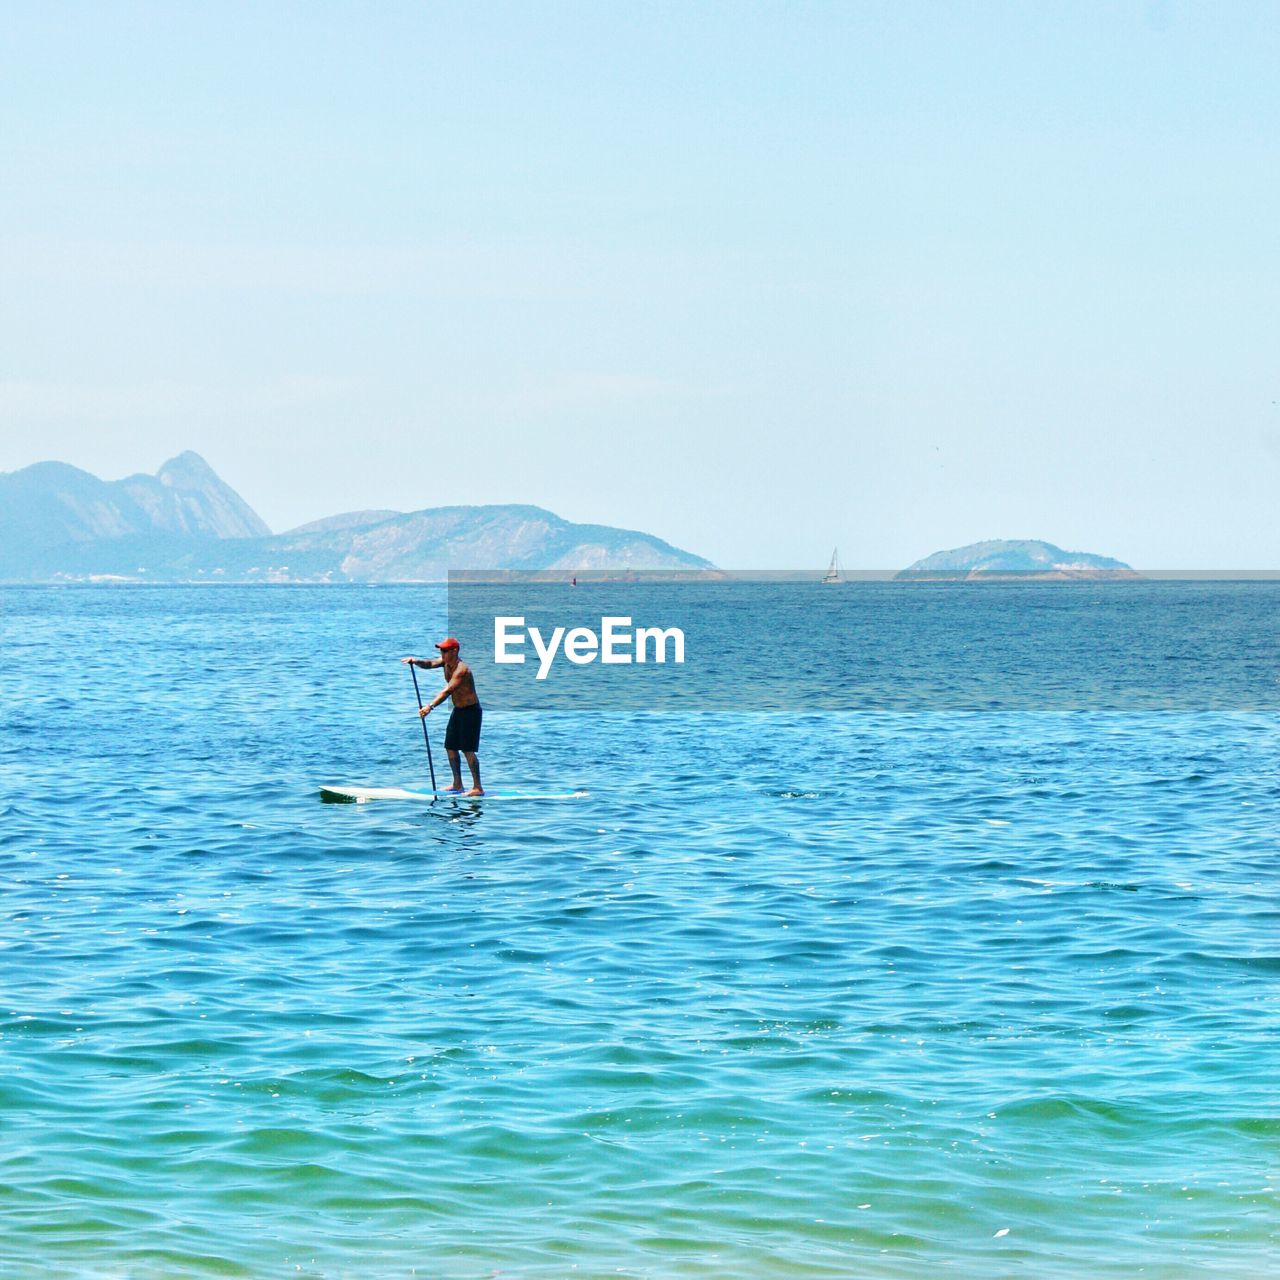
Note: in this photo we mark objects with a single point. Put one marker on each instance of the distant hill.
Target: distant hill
(426, 544)
(1015, 558)
(347, 520)
(184, 524)
(51, 503)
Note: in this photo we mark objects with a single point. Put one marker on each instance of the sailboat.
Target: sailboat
(833, 575)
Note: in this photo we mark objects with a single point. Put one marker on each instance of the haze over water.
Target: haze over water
(860, 992)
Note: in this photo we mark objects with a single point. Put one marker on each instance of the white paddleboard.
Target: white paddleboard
(359, 795)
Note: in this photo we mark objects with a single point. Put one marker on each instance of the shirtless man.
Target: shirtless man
(463, 731)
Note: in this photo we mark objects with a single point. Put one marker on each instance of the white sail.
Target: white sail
(833, 573)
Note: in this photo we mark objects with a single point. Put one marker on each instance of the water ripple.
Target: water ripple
(851, 995)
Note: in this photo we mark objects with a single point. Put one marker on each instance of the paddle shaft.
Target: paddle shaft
(418, 694)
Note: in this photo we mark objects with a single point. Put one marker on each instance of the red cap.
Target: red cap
(448, 643)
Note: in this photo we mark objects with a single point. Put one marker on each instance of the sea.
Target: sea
(902, 985)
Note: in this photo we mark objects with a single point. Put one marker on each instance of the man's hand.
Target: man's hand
(410, 661)
(425, 711)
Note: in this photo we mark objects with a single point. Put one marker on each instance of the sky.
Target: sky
(760, 279)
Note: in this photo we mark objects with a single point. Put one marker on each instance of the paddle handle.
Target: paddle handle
(418, 694)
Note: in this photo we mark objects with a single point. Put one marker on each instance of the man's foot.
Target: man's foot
(455, 790)
(476, 791)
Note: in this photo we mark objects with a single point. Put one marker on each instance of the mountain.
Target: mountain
(1015, 558)
(184, 524)
(51, 504)
(426, 544)
(347, 520)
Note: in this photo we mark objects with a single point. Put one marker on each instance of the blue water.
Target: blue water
(829, 994)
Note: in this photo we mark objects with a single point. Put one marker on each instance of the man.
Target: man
(462, 733)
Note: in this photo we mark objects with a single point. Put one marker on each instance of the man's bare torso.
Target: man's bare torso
(464, 693)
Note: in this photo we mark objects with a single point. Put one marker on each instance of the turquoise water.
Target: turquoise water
(827, 994)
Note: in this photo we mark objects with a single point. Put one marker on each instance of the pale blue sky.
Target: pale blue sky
(758, 278)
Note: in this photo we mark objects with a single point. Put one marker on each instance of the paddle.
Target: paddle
(418, 694)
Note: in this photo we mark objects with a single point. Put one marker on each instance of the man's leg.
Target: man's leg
(456, 765)
(473, 763)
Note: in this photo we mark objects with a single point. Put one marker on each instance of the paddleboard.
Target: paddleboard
(359, 795)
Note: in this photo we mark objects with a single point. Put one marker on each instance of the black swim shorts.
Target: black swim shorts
(463, 731)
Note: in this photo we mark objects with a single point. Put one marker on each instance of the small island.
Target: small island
(1005, 559)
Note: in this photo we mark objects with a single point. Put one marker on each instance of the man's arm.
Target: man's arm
(460, 672)
(425, 663)
(451, 684)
